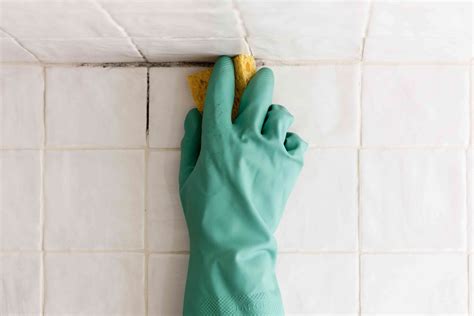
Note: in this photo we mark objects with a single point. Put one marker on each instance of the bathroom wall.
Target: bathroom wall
(92, 101)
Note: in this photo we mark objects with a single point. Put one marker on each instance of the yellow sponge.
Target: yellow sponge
(244, 67)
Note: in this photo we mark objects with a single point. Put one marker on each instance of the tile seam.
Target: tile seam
(469, 182)
(17, 41)
(299, 252)
(120, 28)
(260, 62)
(145, 218)
(42, 197)
(242, 25)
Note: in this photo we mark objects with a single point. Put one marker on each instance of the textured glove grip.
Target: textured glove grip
(255, 304)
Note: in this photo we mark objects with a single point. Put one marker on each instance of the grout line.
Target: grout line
(242, 25)
(469, 201)
(13, 38)
(440, 252)
(260, 62)
(145, 218)
(359, 211)
(366, 28)
(120, 28)
(354, 147)
(359, 204)
(42, 199)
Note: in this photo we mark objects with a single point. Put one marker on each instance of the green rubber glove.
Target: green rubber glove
(235, 179)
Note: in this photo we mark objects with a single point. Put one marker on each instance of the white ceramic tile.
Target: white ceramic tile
(471, 279)
(415, 284)
(318, 284)
(21, 106)
(281, 19)
(166, 225)
(20, 187)
(94, 199)
(55, 19)
(20, 279)
(412, 49)
(96, 106)
(306, 48)
(421, 18)
(170, 101)
(415, 105)
(156, 50)
(413, 199)
(324, 100)
(10, 51)
(166, 282)
(175, 19)
(94, 284)
(321, 213)
(99, 50)
(470, 196)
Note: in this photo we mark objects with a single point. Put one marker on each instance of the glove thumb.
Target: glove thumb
(190, 144)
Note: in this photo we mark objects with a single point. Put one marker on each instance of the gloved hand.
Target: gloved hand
(235, 179)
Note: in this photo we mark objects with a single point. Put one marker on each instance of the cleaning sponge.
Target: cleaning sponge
(244, 67)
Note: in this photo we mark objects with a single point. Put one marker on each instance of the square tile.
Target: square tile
(324, 100)
(21, 106)
(318, 284)
(179, 50)
(415, 105)
(321, 213)
(415, 284)
(96, 106)
(96, 50)
(413, 199)
(20, 276)
(416, 49)
(10, 51)
(470, 196)
(421, 18)
(471, 279)
(20, 206)
(176, 19)
(100, 284)
(170, 101)
(94, 199)
(72, 19)
(305, 18)
(307, 48)
(166, 283)
(167, 229)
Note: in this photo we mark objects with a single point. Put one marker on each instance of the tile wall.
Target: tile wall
(380, 221)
